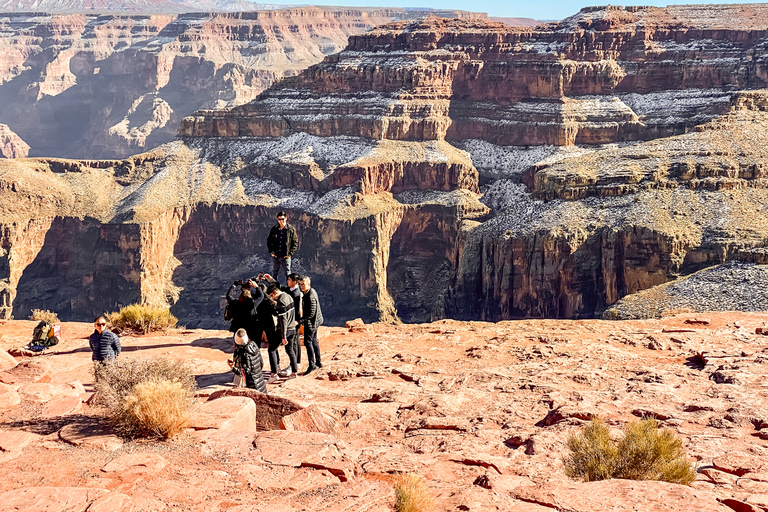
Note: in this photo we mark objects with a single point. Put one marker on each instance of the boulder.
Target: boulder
(8, 397)
(226, 413)
(14, 440)
(62, 406)
(45, 391)
(270, 409)
(34, 371)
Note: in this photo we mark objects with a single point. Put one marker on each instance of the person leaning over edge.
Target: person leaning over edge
(285, 330)
(282, 242)
(105, 345)
(313, 319)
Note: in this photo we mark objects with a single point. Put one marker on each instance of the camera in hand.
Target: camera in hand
(241, 282)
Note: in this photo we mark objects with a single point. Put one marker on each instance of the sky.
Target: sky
(550, 10)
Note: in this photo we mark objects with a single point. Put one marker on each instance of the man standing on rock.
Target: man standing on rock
(105, 345)
(312, 316)
(282, 242)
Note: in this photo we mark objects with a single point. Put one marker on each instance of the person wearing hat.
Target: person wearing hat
(247, 357)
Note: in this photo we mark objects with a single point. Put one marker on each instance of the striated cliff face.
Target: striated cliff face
(434, 168)
(109, 86)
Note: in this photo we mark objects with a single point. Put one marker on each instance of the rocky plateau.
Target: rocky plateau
(434, 168)
(480, 410)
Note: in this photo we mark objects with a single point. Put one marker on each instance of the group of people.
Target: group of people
(260, 311)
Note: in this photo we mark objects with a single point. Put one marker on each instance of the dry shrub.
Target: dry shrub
(145, 397)
(412, 494)
(644, 452)
(43, 315)
(141, 319)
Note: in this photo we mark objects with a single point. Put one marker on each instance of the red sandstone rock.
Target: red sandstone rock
(740, 465)
(8, 397)
(34, 371)
(90, 435)
(309, 419)
(62, 406)
(7, 361)
(145, 463)
(112, 502)
(11, 441)
(270, 409)
(53, 499)
(608, 495)
(44, 392)
(226, 413)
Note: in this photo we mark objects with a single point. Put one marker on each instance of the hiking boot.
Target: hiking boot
(271, 379)
(310, 370)
(284, 373)
(319, 365)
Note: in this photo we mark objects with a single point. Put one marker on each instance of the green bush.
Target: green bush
(141, 319)
(644, 452)
(145, 397)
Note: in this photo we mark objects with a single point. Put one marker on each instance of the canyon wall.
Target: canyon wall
(433, 168)
(112, 85)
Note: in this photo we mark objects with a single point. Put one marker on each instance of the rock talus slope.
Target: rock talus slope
(434, 168)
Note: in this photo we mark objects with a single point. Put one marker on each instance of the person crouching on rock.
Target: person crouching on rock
(247, 357)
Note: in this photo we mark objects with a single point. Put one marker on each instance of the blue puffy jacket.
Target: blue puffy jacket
(105, 346)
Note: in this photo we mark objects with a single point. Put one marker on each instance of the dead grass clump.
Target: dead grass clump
(145, 397)
(411, 494)
(141, 319)
(43, 315)
(644, 452)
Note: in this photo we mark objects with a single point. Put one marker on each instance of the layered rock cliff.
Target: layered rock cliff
(109, 86)
(434, 168)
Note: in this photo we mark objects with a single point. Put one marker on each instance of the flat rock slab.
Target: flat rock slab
(145, 463)
(62, 406)
(8, 397)
(7, 361)
(38, 370)
(311, 419)
(91, 435)
(310, 449)
(740, 465)
(15, 440)
(112, 502)
(50, 499)
(269, 409)
(45, 391)
(226, 413)
(620, 495)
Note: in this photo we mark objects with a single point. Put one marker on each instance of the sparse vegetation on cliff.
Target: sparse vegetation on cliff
(141, 319)
(43, 315)
(644, 452)
(146, 398)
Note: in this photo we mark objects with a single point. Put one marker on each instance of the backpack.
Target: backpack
(44, 335)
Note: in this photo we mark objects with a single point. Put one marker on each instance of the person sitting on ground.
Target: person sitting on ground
(312, 318)
(284, 332)
(294, 291)
(247, 357)
(105, 345)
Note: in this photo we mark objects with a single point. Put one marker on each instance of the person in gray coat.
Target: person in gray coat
(105, 345)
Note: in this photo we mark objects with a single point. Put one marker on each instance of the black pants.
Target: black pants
(274, 344)
(313, 347)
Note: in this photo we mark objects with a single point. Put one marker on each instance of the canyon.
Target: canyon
(92, 85)
(434, 168)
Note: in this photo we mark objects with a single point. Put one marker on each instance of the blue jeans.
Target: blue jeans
(278, 263)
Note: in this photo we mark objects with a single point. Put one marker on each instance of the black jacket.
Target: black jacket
(244, 313)
(248, 357)
(313, 315)
(273, 244)
(297, 300)
(105, 346)
(286, 315)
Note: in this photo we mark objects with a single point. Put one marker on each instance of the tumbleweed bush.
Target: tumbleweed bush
(43, 315)
(412, 494)
(145, 397)
(644, 452)
(141, 319)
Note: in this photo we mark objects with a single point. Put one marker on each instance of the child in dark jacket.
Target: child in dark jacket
(247, 357)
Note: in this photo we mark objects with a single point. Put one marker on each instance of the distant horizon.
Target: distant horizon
(544, 11)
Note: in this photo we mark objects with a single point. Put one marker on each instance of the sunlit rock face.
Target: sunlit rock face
(433, 168)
